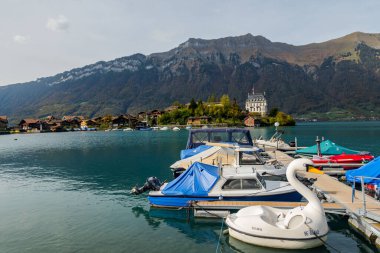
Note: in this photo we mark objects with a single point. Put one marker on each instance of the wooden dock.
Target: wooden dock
(364, 220)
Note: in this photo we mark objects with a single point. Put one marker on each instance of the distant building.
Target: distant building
(33, 125)
(3, 123)
(256, 103)
(249, 121)
(70, 118)
(198, 120)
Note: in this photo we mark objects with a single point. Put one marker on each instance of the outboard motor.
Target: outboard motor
(151, 183)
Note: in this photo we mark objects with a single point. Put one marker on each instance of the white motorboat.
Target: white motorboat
(164, 128)
(176, 128)
(204, 182)
(275, 141)
(231, 156)
(155, 128)
(298, 228)
(128, 129)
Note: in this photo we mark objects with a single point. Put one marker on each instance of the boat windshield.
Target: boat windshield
(198, 137)
(249, 158)
(262, 181)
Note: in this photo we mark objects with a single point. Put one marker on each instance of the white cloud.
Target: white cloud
(20, 39)
(58, 24)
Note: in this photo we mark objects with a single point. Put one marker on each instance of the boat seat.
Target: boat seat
(293, 218)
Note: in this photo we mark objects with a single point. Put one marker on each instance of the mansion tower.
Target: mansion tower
(256, 103)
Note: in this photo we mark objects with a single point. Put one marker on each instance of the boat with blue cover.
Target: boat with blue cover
(204, 182)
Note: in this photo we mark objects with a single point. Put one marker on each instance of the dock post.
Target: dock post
(363, 195)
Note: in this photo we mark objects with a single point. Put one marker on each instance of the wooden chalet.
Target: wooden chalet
(70, 123)
(198, 120)
(124, 121)
(33, 125)
(69, 118)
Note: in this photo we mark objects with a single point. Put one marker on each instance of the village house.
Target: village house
(249, 121)
(3, 123)
(124, 121)
(153, 116)
(70, 118)
(54, 124)
(256, 103)
(33, 125)
(198, 120)
(70, 124)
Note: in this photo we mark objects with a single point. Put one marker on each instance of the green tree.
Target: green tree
(177, 103)
(273, 112)
(225, 101)
(193, 105)
(211, 99)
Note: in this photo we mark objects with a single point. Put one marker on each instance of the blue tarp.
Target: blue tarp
(327, 148)
(371, 169)
(190, 152)
(197, 180)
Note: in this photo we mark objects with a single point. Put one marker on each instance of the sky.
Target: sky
(40, 38)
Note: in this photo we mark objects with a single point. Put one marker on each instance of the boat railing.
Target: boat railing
(363, 211)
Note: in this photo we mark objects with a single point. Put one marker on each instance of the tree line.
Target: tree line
(220, 111)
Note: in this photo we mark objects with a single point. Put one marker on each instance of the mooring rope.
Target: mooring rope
(319, 238)
(220, 235)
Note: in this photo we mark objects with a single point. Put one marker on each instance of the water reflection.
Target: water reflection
(103, 162)
(198, 230)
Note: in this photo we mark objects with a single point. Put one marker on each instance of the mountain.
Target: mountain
(339, 74)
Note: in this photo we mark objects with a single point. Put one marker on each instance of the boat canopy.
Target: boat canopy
(193, 151)
(198, 137)
(371, 169)
(197, 180)
(327, 148)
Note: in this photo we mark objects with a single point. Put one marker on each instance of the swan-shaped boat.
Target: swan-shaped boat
(298, 228)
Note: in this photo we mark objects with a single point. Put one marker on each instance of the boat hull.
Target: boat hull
(276, 242)
(185, 201)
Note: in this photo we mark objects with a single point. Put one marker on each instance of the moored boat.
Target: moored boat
(207, 182)
(352, 159)
(298, 228)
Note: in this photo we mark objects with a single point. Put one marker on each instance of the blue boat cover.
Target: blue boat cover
(197, 180)
(371, 169)
(193, 151)
(327, 148)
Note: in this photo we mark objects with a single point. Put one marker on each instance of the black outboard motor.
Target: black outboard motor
(152, 183)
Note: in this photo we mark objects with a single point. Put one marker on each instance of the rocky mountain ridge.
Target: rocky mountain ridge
(343, 73)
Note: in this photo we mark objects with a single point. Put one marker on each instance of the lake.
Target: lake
(69, 192)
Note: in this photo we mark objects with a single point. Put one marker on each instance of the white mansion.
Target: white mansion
(256, 103)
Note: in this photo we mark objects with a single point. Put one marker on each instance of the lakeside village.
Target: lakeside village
(194, 114)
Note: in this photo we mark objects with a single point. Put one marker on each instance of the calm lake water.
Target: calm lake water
(69, 192)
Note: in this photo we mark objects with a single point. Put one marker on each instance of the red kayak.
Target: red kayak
(345, 159)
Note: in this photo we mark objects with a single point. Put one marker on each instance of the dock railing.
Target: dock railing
(364, 210)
